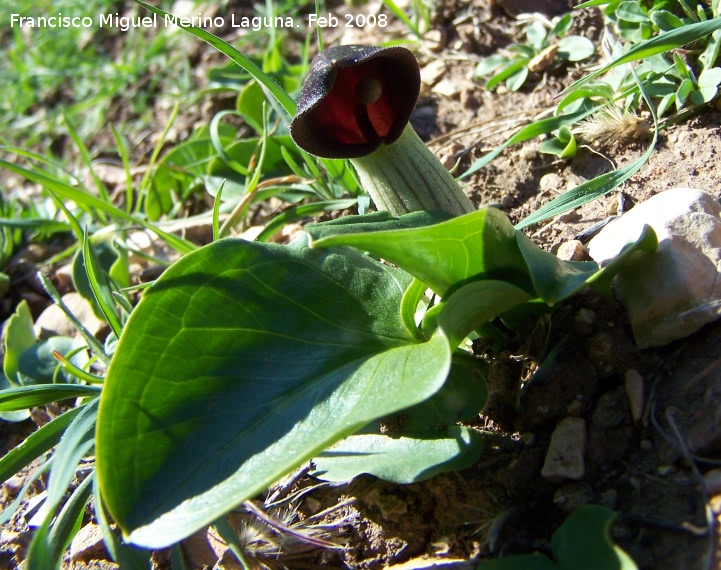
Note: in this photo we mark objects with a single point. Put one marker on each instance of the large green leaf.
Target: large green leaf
(480, 246)
(241, 362)
(482, 243)
(425, 442)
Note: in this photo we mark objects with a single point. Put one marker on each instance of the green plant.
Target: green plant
(43, 372)
(251, 332)
(246, 359)
(563, 145)
(254, 358)
(547, 45)
(38, 372)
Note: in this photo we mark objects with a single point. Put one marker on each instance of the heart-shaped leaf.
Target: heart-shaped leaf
(243, 361)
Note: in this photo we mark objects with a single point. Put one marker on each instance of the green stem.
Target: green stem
(406, 176)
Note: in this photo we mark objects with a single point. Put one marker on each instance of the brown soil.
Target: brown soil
(651, 470)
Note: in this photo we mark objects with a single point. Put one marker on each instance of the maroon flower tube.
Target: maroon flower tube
(355, 98)
(355, 103)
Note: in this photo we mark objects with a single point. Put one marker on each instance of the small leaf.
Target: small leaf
(562, 25)
(583, 541)
(507, 71)
(19, 336)
(631, 12)
(475, 304)
(516, 81)
(575, 48)
(402, 460)
(489, 65)
(562, 146)
(684, 90)
(665, 20)
(37, 365)
(536, 33)
(15, 416)
(708, 83)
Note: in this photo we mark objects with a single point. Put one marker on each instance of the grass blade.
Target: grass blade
(100, 286)
(70, 519)
(29, 396)
(93, 343)
(77, 440)
(35, 444)
(11, 509)
(403, 17)
(127, 557)
(85, 155)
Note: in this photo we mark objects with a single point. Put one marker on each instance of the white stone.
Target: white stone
(564, 458)
(433, 72)
(673, 293)
(53, 321)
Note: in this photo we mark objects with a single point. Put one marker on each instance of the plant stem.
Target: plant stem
(406, 176)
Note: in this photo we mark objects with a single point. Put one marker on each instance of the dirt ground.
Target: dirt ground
(656, 471)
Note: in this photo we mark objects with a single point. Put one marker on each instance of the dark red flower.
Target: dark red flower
(354, 99)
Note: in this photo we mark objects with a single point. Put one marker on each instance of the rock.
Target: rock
(88, 543)
(634, 391)
(675, 292)
(433, 72)
(53, 321)
(446, 88)
(571, 251)
(551, 182)
(564, 458)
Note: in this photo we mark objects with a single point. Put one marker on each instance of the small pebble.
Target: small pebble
(571, 251)
(634, 391)
(565, 456)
